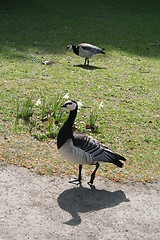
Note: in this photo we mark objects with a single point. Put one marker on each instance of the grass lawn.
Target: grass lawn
(125, 82)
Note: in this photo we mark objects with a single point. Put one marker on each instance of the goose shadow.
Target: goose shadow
(88, 67)
(83, 200)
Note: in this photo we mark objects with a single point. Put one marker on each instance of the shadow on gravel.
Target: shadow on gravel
(82, 200)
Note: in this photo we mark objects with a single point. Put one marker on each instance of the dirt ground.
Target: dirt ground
(41, 207)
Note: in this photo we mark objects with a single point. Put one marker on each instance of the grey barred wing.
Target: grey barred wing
(98, 152)
(92, 50)
(92, 147)
(84, 142)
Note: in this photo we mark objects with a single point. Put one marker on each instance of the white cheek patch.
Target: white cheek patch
(72, 106)
(69, 47)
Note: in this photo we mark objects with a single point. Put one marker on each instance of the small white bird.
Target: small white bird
(83, 149)
(86, 50)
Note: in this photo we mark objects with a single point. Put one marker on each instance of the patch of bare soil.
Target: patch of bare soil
(39, 207)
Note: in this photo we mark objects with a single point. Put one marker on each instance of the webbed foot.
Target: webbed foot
(75, 181)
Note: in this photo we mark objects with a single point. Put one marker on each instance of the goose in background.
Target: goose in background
(82, 149)
(86, 50)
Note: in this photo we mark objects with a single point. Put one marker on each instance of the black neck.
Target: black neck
(75, 50)
(66, 132)
(71, 118)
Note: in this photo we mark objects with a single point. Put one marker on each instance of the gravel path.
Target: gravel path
(39, 208)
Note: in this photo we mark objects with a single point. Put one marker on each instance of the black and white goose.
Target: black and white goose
(83, 149)
(86, 50)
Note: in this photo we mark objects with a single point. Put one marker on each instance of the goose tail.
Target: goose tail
(103, 51)
(115, 158)
(117, 161)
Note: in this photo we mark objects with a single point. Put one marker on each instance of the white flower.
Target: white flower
(80, 104)
(66, 96)
(38, 102)
(101, 105)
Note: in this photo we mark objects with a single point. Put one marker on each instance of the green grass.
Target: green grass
(126, 80)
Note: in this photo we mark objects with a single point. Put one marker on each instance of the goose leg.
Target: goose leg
(88, 61)
(85, 61)
(93, 174)
(77, 181)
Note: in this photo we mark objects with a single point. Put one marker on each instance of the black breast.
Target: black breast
(75, 50)
(63, 135)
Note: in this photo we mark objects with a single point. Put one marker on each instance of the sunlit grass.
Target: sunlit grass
(126, 80)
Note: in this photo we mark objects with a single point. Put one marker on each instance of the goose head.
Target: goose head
(70, 46)
(71, 105)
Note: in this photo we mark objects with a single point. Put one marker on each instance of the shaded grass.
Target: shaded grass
(126, 80)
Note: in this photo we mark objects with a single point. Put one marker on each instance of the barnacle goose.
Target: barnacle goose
(86, 50)
(83, 149)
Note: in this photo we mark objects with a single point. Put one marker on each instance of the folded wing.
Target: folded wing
(99, 152)
(91, 48)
